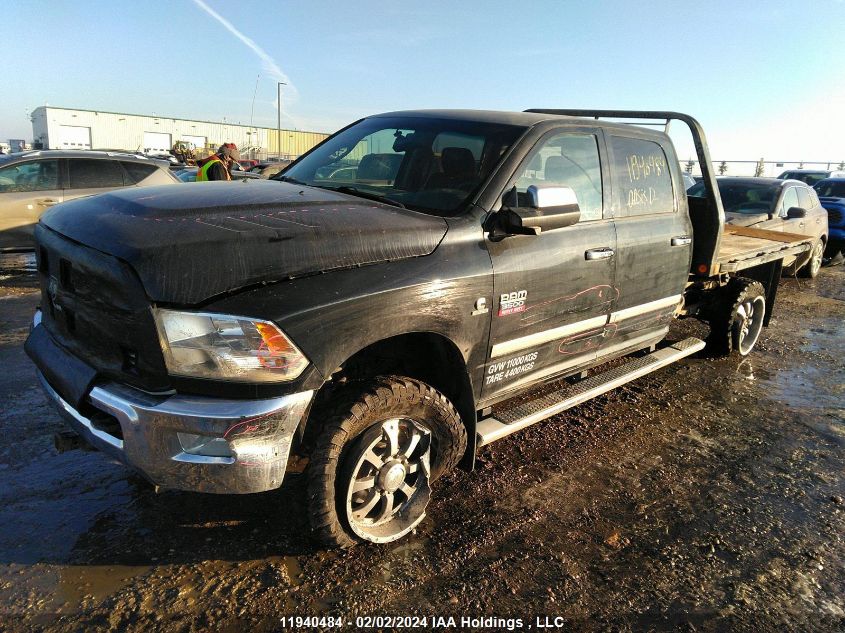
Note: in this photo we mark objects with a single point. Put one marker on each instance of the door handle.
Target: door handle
(598, 253)
(681, 240)
(47, 202)
(801, 225)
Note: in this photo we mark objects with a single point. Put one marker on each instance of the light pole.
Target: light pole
(279, 123)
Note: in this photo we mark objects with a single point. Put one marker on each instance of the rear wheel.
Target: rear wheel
(372, 466)
(812, 267)
(737, 318)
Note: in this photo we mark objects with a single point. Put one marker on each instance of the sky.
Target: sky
(764, 77)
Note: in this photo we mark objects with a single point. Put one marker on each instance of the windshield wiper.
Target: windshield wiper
(353, 191)
(290, 180)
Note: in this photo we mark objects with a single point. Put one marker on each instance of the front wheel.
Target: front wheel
(373, 463)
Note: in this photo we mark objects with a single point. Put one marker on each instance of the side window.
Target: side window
(804, 199)
(567, 160)
(137, 171)
(86, 173)
(643, 177)
(42, 175)
(790, 199)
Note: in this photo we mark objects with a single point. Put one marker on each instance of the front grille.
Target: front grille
(834, 216)
(95, 307)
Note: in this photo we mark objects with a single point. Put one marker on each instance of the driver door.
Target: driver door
(553, 292)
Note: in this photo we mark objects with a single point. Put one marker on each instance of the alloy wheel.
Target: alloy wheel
(750, 315)
(388, 487)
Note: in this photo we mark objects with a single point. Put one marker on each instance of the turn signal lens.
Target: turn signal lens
(221, 346)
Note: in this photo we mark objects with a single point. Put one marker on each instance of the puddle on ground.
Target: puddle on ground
(819, 388)
(815, 386)
(94, 583)
(294, 571)
(66, 589)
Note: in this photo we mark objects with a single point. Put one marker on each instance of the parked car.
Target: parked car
(831, 192)
(268, 169)
(811, 176)
(32, 182)
(790, 206)
(247, 163)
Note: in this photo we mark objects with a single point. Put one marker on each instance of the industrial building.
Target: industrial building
(67, 128)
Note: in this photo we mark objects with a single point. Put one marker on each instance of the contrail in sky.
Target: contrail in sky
(270, 65)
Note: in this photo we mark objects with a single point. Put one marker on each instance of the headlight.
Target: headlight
(221, 346)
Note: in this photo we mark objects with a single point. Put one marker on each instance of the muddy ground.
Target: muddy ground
(705, 497)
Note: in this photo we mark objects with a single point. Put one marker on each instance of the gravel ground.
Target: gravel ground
(707, 496)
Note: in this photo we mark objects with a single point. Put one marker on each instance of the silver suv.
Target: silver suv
(32, 182)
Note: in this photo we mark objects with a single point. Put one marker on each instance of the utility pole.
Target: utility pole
(279, 123)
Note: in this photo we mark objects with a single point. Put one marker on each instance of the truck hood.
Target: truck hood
(193, 241)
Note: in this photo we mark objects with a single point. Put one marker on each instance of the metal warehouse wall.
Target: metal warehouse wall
(293, 142)
(112, 130)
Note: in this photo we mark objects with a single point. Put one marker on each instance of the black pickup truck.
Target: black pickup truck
(370, 314)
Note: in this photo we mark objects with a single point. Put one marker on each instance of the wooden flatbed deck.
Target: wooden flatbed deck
(744, 247)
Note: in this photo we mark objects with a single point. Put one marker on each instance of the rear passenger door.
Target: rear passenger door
(89, 176)
(654, 239)
(812, 224)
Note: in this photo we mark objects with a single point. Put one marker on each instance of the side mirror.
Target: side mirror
(546, 209)
(795, 213)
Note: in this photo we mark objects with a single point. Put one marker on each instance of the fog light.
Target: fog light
(204, 445)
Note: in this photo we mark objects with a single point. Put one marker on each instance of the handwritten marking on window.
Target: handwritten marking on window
(641, 196)
(642, 167)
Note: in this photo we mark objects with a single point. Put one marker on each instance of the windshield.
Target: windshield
(809, 177)
(426, 164)
(742, 197)
(831, 189)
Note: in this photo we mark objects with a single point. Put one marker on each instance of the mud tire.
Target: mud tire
(355, 412)
(727, 321)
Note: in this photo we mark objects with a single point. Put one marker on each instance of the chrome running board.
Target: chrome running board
(525, 414)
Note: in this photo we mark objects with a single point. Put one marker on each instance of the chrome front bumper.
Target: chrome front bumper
(143, 431)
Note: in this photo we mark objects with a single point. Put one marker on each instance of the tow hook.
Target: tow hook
(65, 441)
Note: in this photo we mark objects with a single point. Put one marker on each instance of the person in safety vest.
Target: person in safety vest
(218, 166)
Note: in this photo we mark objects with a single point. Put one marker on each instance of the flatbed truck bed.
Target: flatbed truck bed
(743, 247)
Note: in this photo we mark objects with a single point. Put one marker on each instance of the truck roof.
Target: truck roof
(526, 119)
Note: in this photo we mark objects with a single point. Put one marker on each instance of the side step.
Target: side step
(528, 413)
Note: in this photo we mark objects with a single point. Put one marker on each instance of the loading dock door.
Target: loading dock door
(74, 137)
(156, 142)
(198, 141)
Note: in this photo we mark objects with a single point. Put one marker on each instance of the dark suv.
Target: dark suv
(831, 192)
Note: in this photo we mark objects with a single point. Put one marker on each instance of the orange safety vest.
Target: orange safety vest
(202, 172)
